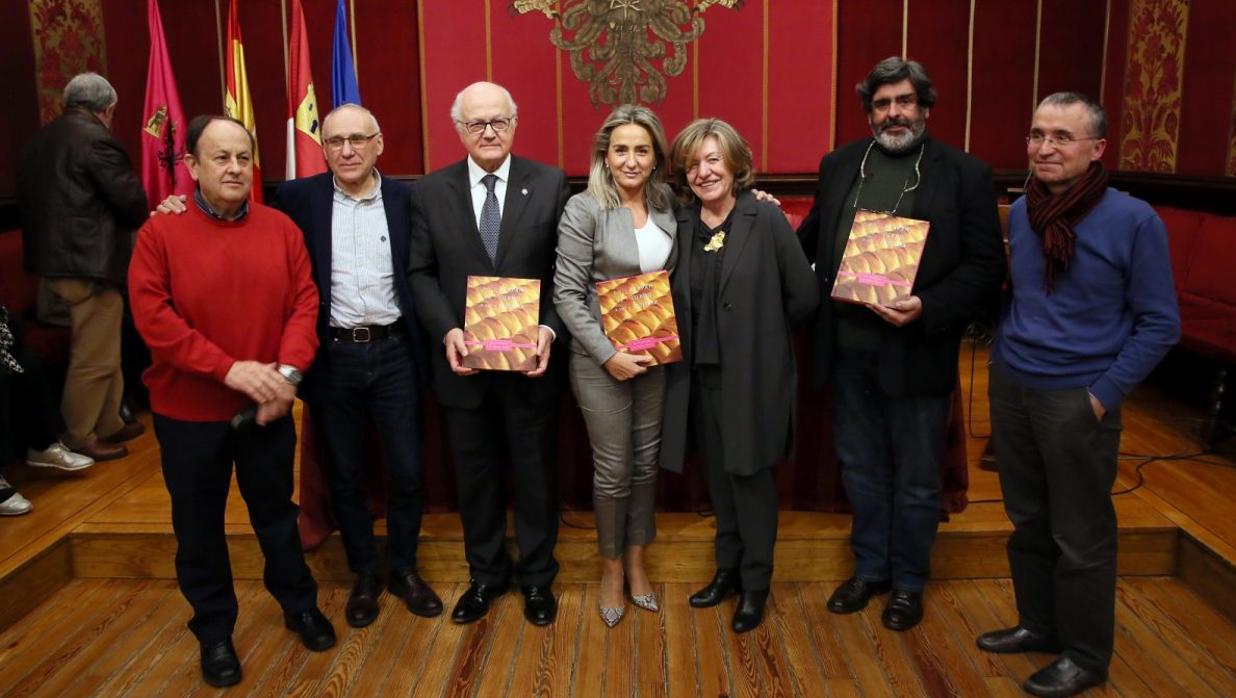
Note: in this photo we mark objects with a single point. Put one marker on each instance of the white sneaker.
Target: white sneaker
(15, 505)
(58, 456)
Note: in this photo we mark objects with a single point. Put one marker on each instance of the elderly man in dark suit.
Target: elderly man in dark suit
(892, 367)
(493, 214)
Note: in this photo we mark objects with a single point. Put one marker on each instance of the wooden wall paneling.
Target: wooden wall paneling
(524, 62)
(1210, 66)
(387, 65)
(731, 80)
(801, 81)
(868, 31)
(1003, 81)
(1071, 42)
(454, 57)
(937, 34)
(20, 117)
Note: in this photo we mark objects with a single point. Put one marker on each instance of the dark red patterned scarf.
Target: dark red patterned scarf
(1052, 216)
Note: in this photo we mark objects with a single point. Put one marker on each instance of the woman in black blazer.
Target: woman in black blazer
(740, 284)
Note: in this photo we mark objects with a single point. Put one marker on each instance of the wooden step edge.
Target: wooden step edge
(26, 586)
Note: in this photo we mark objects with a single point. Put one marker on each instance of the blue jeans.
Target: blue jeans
(889, 448)
(374, 380)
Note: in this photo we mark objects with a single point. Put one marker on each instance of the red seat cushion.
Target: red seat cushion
(1183, 229)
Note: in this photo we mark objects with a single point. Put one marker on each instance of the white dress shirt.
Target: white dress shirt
(475, 174)
(362, 275)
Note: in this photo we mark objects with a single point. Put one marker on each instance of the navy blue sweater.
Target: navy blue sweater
(1112, 315)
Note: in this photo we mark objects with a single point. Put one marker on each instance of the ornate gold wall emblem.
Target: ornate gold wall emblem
(624, 49)
(1152, 89)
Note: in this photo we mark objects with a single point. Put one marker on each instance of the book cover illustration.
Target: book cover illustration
(500, 323)
(637, 313)
(881, 258)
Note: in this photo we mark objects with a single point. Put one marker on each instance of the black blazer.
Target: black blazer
(446, 249)
(766, 286)
(958, 279)
(309, 202)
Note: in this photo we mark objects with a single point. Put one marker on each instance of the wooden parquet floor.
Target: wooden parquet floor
(118, 637)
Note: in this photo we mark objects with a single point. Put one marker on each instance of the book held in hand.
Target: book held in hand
(637, 313)
(881, 258)
(500, 323)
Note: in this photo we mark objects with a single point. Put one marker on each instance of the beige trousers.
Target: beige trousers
(94, 385)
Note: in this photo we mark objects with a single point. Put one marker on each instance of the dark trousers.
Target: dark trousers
(28, 416)
(378, 380)
(889, 448)
(745, 506)
(197, 467)
(1057, 464)
(507, 428)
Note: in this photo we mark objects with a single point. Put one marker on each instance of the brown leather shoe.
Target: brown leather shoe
(101, 450)
(130, 431)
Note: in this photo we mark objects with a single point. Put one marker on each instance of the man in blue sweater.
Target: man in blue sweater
(1092, 311)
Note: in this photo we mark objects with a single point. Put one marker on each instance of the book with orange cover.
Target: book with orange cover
(500, 323)
(637, 313)
(881, 258)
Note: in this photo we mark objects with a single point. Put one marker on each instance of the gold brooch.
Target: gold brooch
(716, 242)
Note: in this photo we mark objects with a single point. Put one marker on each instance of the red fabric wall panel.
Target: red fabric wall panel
(1206, 100)
(19, 118)
(193, 47)
(800, 84)
(868, 31)
(1072, 47)
(128, 49)
(261, 27)
(524, 63)
(938, 37)
(731, 72)
(388, 73)
(1113, 82)
(1003, 81)
(454, 41)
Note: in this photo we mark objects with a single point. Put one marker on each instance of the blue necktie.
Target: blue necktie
(491, 220)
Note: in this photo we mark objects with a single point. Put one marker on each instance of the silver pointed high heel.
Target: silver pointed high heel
(648, 601)
(611, 616)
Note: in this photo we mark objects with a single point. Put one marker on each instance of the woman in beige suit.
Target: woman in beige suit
(621, 226)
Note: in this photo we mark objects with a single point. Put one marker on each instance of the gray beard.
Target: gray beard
(903, 143)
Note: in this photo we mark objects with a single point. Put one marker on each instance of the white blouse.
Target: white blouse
(654, 246)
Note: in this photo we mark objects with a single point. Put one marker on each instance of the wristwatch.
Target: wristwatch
(290, 374)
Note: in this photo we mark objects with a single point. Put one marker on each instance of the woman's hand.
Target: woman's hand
(623, 366)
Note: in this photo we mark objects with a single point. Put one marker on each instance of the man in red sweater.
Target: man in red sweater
(224, 298)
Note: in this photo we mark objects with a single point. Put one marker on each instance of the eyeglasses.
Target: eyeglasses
(357, 140)
(903, 101)
(476, 128)
(1060, 140)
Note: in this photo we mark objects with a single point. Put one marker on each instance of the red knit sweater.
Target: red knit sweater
(208, 293)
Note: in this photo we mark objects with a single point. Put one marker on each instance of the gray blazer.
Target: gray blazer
(596, 244)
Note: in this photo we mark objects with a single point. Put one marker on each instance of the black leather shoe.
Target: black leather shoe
(420, 599)
(853, 594)
(220, 665)
(362, 605)
(750, 611)
(904, 610)
(724, 583)
(1062, 678)
(540, 606)
(1017, 639)
(313, 627)
(474, 603)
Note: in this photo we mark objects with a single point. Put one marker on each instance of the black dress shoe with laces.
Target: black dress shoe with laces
(854, 593)
(540, 606)
(904, 610)
(313, 627)
(220, 665)
(419, 597)
(1017, 639)
(724, 582)
(750, 611)
(362, 605)
(474, 603)
(1062, 678)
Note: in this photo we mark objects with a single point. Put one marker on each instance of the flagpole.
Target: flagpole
(219, 43)
(283, 13)
(352, 29)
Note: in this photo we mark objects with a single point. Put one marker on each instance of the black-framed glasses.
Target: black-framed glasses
(357, 140)
(1060, 140)
(476, 128)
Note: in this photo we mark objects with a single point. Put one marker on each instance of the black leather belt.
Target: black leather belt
(363, 335)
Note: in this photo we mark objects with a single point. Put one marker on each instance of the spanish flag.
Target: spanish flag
(304, 120)
(238, 105)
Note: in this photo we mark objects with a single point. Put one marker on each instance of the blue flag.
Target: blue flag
(343, 87)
